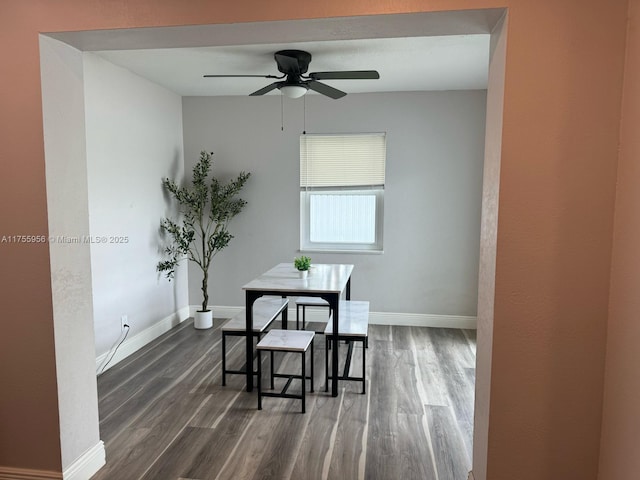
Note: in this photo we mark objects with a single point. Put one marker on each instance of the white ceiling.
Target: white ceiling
(413, 52)
(449, 62)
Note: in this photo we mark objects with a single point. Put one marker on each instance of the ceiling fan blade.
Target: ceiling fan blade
(346, 75)
(325, 89)
(241, 76)
(266, 89)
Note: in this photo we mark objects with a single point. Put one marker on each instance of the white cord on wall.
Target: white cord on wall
(114, 349)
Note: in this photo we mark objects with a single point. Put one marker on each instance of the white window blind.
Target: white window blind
(342, 160)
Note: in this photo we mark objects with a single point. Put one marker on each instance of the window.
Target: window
(342, 191)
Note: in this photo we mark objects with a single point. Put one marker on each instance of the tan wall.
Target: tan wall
(562, 93)
(562, 97)
(621, 415)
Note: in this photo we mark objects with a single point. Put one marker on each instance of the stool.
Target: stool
(293, 341)
(305, 302)
(353, 326)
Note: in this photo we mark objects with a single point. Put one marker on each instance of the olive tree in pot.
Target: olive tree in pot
(206, 205)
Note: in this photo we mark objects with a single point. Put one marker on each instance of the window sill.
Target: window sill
(331, 250)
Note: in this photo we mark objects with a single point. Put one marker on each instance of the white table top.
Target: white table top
(285, 278)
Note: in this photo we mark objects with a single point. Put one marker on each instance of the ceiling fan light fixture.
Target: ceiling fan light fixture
(293, 91)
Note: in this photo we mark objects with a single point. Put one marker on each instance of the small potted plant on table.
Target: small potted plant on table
(302, 264)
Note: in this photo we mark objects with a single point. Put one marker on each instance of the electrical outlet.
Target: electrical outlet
(123, 322)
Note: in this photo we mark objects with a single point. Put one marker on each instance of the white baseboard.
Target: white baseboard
(82, 469)
(422, 320)
(9, 473)
(87, 465)
(219, 311)
(375, 318)
(135, 343)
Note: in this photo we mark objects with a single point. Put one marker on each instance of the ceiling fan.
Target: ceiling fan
(293, 64)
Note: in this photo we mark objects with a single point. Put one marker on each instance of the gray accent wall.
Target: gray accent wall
(134, 139)
(433, 192)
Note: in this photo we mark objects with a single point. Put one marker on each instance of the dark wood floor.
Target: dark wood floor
(165, 415)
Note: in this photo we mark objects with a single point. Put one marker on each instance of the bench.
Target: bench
(304, 302)
(353, 326)
(265, 311)
(293, 341)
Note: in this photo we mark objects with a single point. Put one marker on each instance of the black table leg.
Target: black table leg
(285, 317)
(251, 297)
(334, 301)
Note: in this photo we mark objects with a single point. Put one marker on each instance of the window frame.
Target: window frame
(330, 171)
(306, 245)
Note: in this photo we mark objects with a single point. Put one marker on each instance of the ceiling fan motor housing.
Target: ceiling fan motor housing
(292, 61)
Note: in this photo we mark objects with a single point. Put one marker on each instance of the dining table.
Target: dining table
(327, 281)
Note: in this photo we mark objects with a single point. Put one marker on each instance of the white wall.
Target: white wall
(67, 200)
(134, 139)
(435, 145)
(488, 248)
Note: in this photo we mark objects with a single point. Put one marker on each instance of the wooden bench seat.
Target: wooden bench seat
(265, 311)
(353, 326)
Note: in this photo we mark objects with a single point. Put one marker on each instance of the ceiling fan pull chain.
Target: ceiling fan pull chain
(281, 113)
(304, 115)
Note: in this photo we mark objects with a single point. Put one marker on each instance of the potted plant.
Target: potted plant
(206, 206)
(302, 264)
